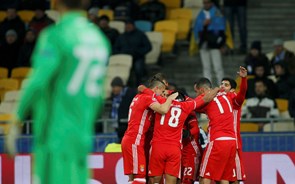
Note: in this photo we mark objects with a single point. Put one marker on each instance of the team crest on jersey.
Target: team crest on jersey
(141, 167)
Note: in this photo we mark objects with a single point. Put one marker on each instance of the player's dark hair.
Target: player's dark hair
(232, 82)
(203, 82)
(181, 97)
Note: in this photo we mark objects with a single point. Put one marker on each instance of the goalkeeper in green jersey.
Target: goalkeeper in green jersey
(64, 94)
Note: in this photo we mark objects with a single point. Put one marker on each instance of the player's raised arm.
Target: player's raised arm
(164, 108)
(239, 99)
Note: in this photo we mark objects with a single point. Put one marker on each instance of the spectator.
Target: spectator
(9, 50)
(260, 74)
(93, 15)
(209, 30)
(135, 43)
(280, 53)
(237, 9)
(256, 57)
(24, 58)
(12, 21)
(121, 99)
(152, 10)
(285, 81)
(40, 19)
(111, 33)
(260, 106)
(126, 9)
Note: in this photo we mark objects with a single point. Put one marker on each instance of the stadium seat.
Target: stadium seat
(4, 119)
(20, 73)
(3, 72)
(26, 15)
(2, 15)
(119, 65)
(24, 83)
(7, 85)
(280, 127)
(193, 3)
(11, 96)
(282, 105)
(168, 28)
(290, 45)
(121, 60)
(166, 25)
(109, 13)
(119, 25)
(269, 55)
(7, 107)
(171, 3)
(144, 25)
(183, 28)
(249, 127)
(156, 41)
(53, 14)
(181, 13)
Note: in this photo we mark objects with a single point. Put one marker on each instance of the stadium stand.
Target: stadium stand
(26, 15)
(156, 41)
(119, 25)
(143, 25)
(3, 72)
(107, 12)
(169, 29)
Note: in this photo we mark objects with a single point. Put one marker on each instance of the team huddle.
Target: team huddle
(162, 140)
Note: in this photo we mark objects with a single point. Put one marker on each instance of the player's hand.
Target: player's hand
(140, 88)
(242, 72)
(209, 95)
(11, 137)
(172, 96)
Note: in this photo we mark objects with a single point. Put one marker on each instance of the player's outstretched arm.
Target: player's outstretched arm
(239, 99)
(164, 108)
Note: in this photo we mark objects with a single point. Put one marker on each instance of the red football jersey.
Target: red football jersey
(220, 115)
(168, 127)
(139, 117)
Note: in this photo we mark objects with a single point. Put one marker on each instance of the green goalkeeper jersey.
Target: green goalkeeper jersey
(65, 89)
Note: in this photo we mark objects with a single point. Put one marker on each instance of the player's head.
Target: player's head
(228, 84)
(181, 97)
(202, 86)
(158, 87)
(73, 4)
(161, 77)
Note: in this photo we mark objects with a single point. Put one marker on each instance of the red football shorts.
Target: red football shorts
(218, 162)
(241, 175)
(165, 159)
(191, 164)
(133, 157)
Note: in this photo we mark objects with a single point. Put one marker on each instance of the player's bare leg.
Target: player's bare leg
(169, 179)
(131, 177)
(156, 179)
(205, 181)
(223, 182)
